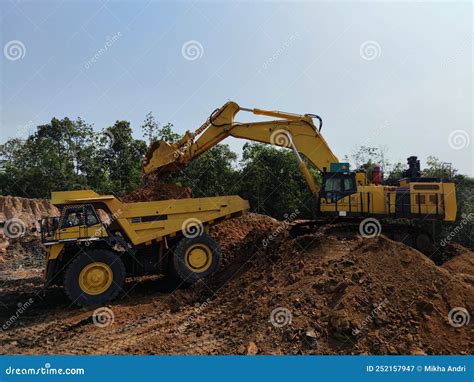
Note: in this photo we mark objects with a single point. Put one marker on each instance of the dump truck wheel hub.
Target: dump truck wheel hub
(95, 278)
(199, 258)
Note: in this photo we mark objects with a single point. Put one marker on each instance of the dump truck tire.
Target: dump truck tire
(94, 278)
(195, 258)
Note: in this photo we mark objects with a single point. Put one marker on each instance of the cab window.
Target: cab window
(349, 184)
(73, 217)
(91, 217)
(333, 184)
(337, 186)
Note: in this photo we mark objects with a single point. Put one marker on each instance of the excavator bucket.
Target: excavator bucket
(161, 157)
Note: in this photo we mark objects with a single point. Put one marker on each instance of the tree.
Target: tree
(464, 200)
(271, 181)
(437, 169)
(154, 132)
(48, 160)
(69, 155)
(121, 156)
(396, 171)
(211, 174)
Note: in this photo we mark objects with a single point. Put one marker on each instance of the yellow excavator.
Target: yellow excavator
(344, 193)
(91, 255)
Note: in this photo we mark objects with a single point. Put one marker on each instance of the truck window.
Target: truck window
(91, 217)
(73, 217)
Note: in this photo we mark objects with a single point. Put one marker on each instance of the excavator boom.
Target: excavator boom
(297, 132)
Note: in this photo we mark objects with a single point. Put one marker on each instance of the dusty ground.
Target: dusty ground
(324, 293)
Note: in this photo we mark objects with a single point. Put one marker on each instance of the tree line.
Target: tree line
(69, 154)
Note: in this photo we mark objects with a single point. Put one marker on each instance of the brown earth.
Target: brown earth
(27, 210)
(151, 189)
(18, 216)
(462, 263)
(330, 292)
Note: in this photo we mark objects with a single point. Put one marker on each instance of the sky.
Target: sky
(396, 75)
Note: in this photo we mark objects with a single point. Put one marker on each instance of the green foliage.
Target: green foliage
(464, 199)
(396, 172)
(121, 158)
(69, 155)
(211, 174)
(271, 181)
(366, 158)
(153, 131)
(437, 169)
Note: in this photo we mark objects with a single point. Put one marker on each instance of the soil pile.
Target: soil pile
(330, 292)
(338, 295)
(18, 216)
(29, 211)
(23, 258)
(232, 234)
(157, 191)
(463, 263)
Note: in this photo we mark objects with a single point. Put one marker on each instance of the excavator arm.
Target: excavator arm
(297, 132)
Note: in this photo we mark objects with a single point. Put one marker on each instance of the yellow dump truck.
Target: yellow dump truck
(97, 241)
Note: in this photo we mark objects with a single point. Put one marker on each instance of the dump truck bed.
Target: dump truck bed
(144, 222)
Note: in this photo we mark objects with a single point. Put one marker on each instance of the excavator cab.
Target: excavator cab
(338, 185)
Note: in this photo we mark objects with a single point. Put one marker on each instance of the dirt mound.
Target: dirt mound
(330, 292)
(29, 211)
(18, 216)
(24, 257)
(157, 191)
(338, 295)
(463, 263)
(232, 234)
